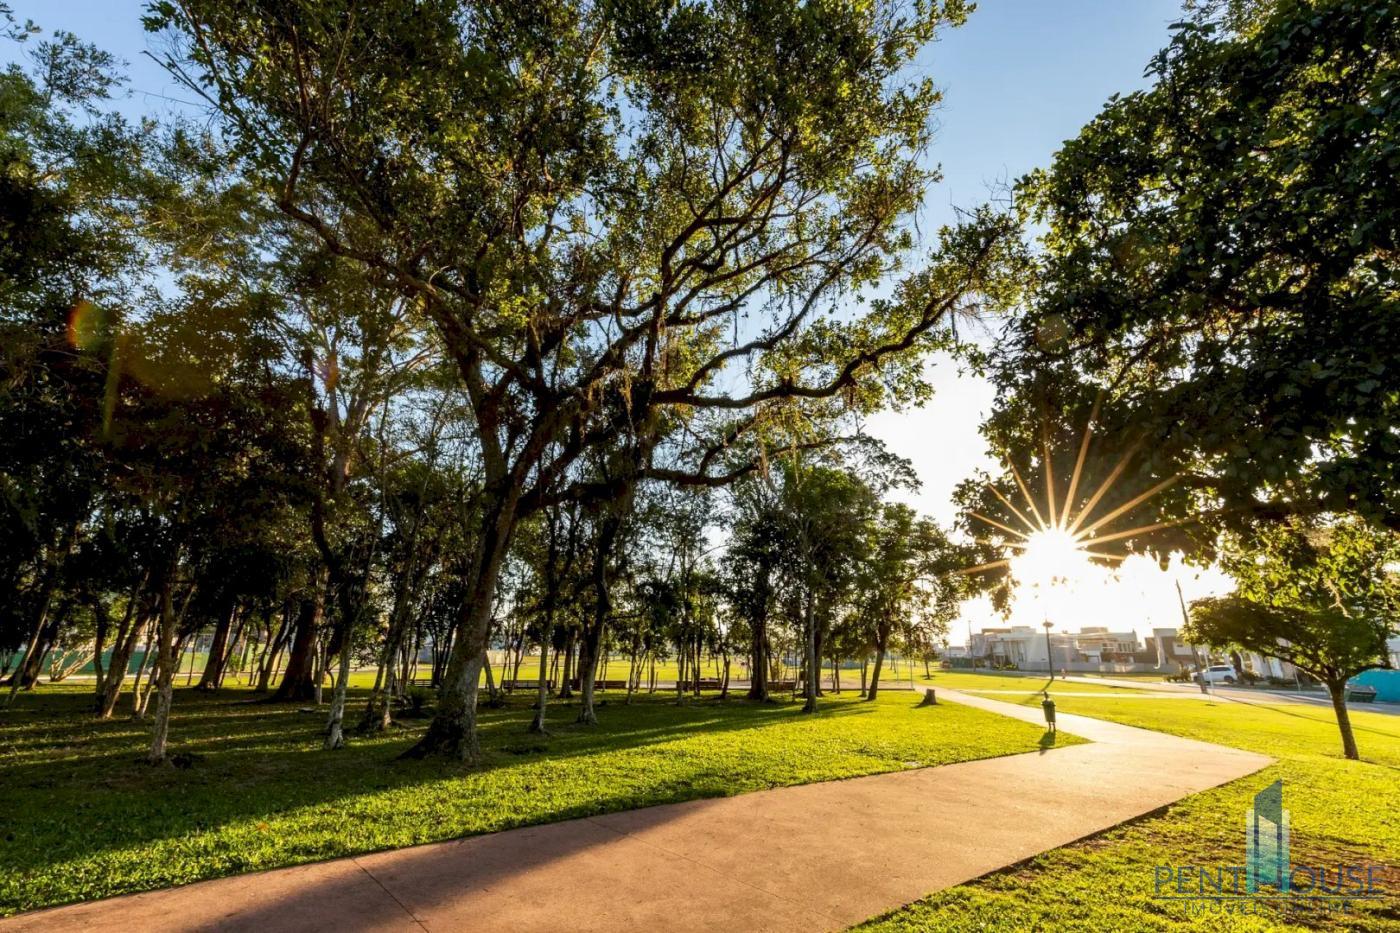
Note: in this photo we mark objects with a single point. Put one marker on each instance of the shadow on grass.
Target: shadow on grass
(66, 803)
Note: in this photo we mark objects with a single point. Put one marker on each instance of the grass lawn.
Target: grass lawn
(84, 818)
(1021, 683)
(1341, 812)
(1145, 676)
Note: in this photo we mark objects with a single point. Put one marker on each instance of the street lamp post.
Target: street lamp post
(1049, 657)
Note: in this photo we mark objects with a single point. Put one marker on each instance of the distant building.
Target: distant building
(1263, 666)
(1099, 645)
(1170, 650)
(1020, 645)
(1025, 647)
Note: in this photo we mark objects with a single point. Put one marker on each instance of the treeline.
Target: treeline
(460, 325)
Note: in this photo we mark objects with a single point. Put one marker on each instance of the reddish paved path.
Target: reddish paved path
(816, 857)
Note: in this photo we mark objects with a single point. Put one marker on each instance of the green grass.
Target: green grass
(84, 818)
(1341, 812)
(1021, 683)
(1146, 676)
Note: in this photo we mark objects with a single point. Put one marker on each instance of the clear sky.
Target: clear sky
(1020, 78)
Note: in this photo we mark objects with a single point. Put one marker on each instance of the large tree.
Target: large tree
(612, 213)
(1219, 261)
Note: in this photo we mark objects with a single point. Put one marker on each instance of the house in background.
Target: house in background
(1098, 645)
(1172, 654)
(1091, 649)
(1020, 645)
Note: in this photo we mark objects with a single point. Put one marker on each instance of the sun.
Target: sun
(1058, 538)
(1049, 557)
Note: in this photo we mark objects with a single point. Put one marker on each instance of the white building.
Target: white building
(1172, 651)
(1020, 645)
(1026, 646)
(1098, 645)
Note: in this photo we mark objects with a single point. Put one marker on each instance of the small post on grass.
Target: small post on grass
(929, 698)
(1048, 705)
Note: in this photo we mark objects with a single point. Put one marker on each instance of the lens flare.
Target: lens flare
(1051, 557)
(87, 326)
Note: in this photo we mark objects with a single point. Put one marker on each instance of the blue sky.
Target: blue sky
(1023, 75)
(1020, 78)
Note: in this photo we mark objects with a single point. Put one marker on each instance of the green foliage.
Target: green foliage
(1219, 260)
(1322, 596)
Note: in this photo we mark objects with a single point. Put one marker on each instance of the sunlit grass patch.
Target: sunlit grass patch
(1341, 812)
(84, 818)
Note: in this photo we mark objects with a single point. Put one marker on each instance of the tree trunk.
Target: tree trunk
(117, 668)
(122, 646)
(587, 670)
(493, 694)
(99, 645)
(602, 606)
(335, 733)
(318, 677)
(810, 664)
(452, 733)
(519, 657)
(566, 682)
(214, 664)
(138, 707)
(165, 664)
(379, 710)
(298, 681)
(274, 650)
(758, 659)
(1338, 690)
(874, 688)
(542, 692)
(882, 643)
(27, 673)
(192, 639)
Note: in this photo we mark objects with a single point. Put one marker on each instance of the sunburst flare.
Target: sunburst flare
(1057, 538)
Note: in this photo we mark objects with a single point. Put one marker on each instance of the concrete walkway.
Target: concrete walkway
(1252, 695)
(816, 857)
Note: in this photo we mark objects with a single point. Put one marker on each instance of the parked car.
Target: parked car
(1217, 674)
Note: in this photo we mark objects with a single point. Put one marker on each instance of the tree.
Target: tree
(66, 250)
(826, 512)
(752, 561)
(1219, 261)
(907, 585)
(611, 213)
(1320, 595)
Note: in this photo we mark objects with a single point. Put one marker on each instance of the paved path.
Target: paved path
(1252, 695)
(816, 857)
